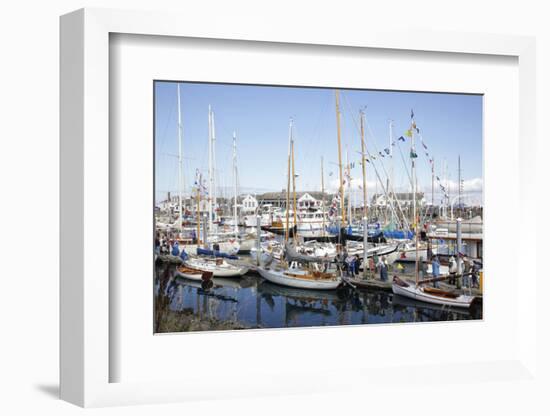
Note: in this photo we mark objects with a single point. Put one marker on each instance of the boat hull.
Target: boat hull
(419, 294)
(279, 277)
(217, 270)
(190, 276)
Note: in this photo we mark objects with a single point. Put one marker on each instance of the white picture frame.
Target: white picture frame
(85, 217)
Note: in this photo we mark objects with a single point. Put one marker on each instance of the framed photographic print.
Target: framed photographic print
(268, 236)
(275, 210)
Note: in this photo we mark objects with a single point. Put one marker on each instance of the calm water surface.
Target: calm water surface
(251, 302)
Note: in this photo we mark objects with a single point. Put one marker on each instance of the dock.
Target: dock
(373, 283)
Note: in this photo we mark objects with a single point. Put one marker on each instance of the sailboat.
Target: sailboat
(228, 241)
(296, 274)
(299, 277)
(416, 291)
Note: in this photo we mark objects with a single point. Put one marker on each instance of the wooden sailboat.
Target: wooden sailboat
(296, 275)
(300, 277)
(430, 294)
(195, 267)
(189, 273)
(416, 291)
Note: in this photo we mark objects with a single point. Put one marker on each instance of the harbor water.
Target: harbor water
(250, 302)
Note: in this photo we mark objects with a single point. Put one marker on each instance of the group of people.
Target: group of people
(165, 245)
(349, 265)
(469, 276)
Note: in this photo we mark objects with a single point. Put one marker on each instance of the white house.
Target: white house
(249, 204)
(405, 199)
(306, 201)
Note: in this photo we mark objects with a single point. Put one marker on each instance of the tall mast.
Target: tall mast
(199, 209)
(365, 208)
(446, 182)
(323, 194)
(348, 170)
(214, 187)
(448, 190)
(235, 183)
(459, 187)
(288, 181)
(293, 188)
(180, 157)
(415, 222)
(210, 175)
(364, 165)
(433, 182)
(391, 192)
(342, 210)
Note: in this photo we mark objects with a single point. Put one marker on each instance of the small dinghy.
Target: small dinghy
(191, 273)
(430, 294)
(218, 267)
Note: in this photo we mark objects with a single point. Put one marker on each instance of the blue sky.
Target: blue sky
(450, 124)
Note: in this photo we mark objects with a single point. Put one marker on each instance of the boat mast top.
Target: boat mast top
(287, 231)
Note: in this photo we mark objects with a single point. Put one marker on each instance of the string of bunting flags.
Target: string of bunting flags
(413, 154)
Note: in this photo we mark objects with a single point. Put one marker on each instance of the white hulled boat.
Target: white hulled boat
(217, 266)
(303, 278)
(430, 294)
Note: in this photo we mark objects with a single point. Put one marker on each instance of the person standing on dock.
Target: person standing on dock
(157, 245)
(372, 266)
(435, 270)
(326, 262)
(422, 268)
(383, 266)
(175, 249)
(475, 273)
(350, 264)
(339, 260)
(345, 260)
(453, 269)
(468, 270)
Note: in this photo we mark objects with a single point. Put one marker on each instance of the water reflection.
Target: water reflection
(250, 302)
